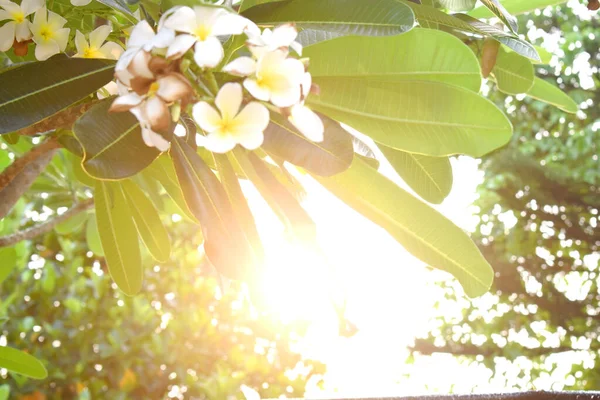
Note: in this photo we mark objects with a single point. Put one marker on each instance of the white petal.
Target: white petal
(165, 15)
(158, 141)
(218, 143)
(230, 24)
(98, 36)
(4, 15)
(7, 35)
(31, 6)
(39, 18)
(61, 37)
(11, 7)
(146, 137)
(111, 50)
(80, 3)
(157, 113)
(286, 97)
(209, 53)
(251, 140)
(297, 47)
(307, 122)
(124, 103)
(180, 45)
(55, 21)
(241, 66)
(206, 116)
(306, 84)
(80, 43)
(125, 59)
(182, 20)
(293, 69)
(253, 117)
(162, 40)
(252, 30)
(110, 89)
(140, 35)
(23, 32)
(172, 88)
(259, 92)
(46, 50)
(283, 36)
(138, 66)
(208, 16)
(229, 100)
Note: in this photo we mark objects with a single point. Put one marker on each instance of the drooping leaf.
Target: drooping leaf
(548, 93)
(275, 193)
(148, 223)
(415, 116)
(224, 241)
(119, 237)
(329, 157)
(430, 177)
(499, 11)
(422, 54)
(355, 17)
(92, 236)
(423, 231)
(458, 5)
(489, 55)
(22, 363)
(112, 143)
(37, 90)
(513, 73)
(516, 7)
(231, 183)
(8, 262)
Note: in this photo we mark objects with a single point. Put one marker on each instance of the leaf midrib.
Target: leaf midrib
(114, 142)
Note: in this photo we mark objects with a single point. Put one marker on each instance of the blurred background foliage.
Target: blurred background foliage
(183, 336)
(538, 227)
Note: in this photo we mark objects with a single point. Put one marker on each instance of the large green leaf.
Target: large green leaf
(513, 73)
(275, 193)
(37, 90)
(499, 11)
(8, 262)
(353, 17)
(548, 93)
(516, 7)
(92, 236)
(246, 4)
(148, 223)
(224, 240)
(415, 116)
(119, 237)
(423, 231)
(430, 177)
(458, 5)
(112, 143)
(22, 363)
(329, 157)
(422, 54)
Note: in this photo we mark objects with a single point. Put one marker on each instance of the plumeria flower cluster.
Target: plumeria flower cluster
(31, 21)
(172, 70)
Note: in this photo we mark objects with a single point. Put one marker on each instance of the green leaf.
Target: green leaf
(422, 54)
(423, 231)
(516, 7)
(415, 116)
(148, 223)
(92, 236)
(72, 224)
(513, 73)
(275, 193)
(224, 241)
(499, 11)
(4, 392)
(22, 363)
(352, 17)
(119, 237)
(548, 93)
(112, 143)
(246, 4)
(120, 6)
(545, 55)
(49, 279)
(458, 5)
(38, 90)
(308, 37)
(8, 262)
(329, 157)
(430, 177)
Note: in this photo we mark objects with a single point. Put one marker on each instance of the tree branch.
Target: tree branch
(45, 227)
(20, 163)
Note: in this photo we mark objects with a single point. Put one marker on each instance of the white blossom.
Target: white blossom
(48, 33)
(282, 37)
(305, 119)
(96, 47)
(17, 27)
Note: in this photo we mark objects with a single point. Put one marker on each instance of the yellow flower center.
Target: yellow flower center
(92, 52)
(46, 32)
(153, 89)
(18, 17)
(226, 125)
(202, 32)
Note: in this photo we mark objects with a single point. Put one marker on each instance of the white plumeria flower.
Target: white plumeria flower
(48, 33)
(230, 126)
(141, 41)
(282, 37)
(80, 3)
(96, 48)
(201, 26)
(305, 119)
(151, 138)
(112, 88)
(274, 77)
(17, 27)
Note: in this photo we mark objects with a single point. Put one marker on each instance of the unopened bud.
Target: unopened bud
(593, 5)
